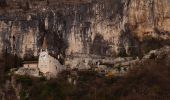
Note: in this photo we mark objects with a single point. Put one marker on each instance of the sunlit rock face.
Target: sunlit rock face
(19, 37)
(147, 17)
(91, 27)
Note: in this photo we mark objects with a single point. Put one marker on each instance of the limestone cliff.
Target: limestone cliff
(90, 27)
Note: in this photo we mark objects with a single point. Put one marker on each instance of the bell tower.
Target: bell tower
(48, 64)
(43, 63)
(44, 45)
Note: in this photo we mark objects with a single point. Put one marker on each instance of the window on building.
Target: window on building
(43, 49)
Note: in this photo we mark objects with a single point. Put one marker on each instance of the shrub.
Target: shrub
(24, 80)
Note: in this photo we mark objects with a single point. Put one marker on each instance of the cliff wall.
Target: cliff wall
(90, 27)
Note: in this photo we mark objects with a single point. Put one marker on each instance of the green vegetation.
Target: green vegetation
(51, 90)
(148, 81)
(24, 80)
(24, 95)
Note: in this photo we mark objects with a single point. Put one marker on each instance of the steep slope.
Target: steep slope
(98, 27)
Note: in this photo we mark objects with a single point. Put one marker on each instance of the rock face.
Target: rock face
(91, 27)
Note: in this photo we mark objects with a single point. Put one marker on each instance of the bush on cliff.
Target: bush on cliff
(149, 80)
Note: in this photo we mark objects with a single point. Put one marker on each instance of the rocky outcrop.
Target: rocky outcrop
(28, 71)
(120, 66)
(99, 27)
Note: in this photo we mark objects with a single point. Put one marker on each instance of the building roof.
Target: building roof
(30, 62)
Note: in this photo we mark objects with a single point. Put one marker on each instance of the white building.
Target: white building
(48, 64)
(29, 68)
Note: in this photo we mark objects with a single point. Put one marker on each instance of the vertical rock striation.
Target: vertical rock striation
(95, 27)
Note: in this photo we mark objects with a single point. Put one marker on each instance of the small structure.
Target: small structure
(30, 64)
(29, 68)
(48, 65)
